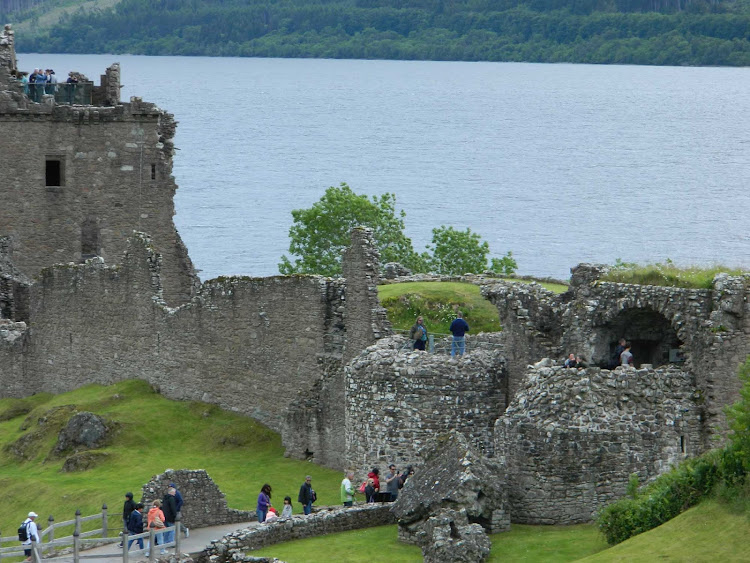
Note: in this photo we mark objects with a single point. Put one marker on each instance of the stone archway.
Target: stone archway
(654, 340)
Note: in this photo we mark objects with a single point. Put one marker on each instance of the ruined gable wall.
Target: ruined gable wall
(397, 402)
(571, 438)
(248, 345)
(107, 190)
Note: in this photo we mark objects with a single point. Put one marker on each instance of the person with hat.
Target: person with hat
(32, 533)
(127, 509)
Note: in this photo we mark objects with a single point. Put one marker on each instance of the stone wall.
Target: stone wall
(78, 180)
(707, 332)
(204, 503)
(571, 438)
(397, 402)
(251, 345)
(323, 522)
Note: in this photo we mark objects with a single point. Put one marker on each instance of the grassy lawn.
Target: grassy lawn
(667, 274)
(522, 543)
(154, 434)
(437, 302)
(707, 532)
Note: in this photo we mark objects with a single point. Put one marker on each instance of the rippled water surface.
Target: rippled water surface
(559, 163)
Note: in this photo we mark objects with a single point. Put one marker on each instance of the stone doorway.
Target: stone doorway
(654, 340)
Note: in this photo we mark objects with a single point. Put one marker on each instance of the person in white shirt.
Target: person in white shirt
(32, 533)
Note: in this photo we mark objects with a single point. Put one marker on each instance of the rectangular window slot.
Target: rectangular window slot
(153, 171)
(682, 444)
(53, 172)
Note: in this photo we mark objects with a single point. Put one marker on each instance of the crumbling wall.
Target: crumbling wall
(571, 438)
(397, 402)
(204, 503)
(77, 180)
(709, 328)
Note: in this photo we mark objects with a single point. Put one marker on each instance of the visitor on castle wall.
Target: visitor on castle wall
(370, 491)
(305, 496)
(32, 88)
(32, 533)
(459, 327)
(39, 84)
(287, 510)
(51, 87)
(264, 502)
(127, 508)
(619, 349)
(626, 358)
(180, 503)
(580, 362)
(135, 525)
(169, 507)
(375, 476)
(418, 334)
(71, 87)
(571, 362)
(391, 482)
(347, 490)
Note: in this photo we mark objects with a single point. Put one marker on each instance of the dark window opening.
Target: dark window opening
(90, 244)
(153, 171)
(654, 340)
(54, 173)
(682, 444)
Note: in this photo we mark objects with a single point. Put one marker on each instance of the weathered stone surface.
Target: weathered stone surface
(204, 503)
(84, 430)
(571, 438)
(453, 476)
(398, 400)
(448, 537)
(233, 547)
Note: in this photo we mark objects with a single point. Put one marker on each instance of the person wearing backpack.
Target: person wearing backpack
(28, 531)
(418, 334)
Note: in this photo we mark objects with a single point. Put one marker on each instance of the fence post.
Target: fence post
(1, 545)
(51, 528)
(76, 542)
(35, 555)
(104, 520)
(178, 528)
(125, 549)
(78, 521)
(431, 339)
(152, 545)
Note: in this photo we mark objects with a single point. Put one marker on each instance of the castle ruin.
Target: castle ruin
(97, 287)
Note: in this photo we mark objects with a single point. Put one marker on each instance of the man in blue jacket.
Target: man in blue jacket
(459, 327)
(135, 525)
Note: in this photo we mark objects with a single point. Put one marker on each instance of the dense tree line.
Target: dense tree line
(671, 32)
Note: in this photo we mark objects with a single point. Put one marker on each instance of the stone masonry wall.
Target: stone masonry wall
(251, 345)
(115, 176)
(397, 402)
(571, 438)
(204, 503)
(712, 328)
(324, 522)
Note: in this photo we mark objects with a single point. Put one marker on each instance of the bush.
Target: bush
(662, 500)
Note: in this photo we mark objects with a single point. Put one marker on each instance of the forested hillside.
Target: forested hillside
(662, 32)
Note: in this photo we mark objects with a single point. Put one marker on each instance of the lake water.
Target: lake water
(559, 163)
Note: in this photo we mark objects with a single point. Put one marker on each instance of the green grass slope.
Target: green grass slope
(710, 531)
(154, 434)
(437, 302)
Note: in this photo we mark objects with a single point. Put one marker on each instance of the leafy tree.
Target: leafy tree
(739, 418)
(459, 252)
(320, 233)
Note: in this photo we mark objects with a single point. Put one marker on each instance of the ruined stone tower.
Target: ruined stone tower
(81, 171)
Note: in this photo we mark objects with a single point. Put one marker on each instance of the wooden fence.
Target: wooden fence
(50, 547)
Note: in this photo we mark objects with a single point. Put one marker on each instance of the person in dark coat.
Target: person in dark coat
(169, 508)
(180, 502)
(135, 525)
(127, 509)
(305, 496)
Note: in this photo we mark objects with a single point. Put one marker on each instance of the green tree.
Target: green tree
(320, 233)
(460, 252)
